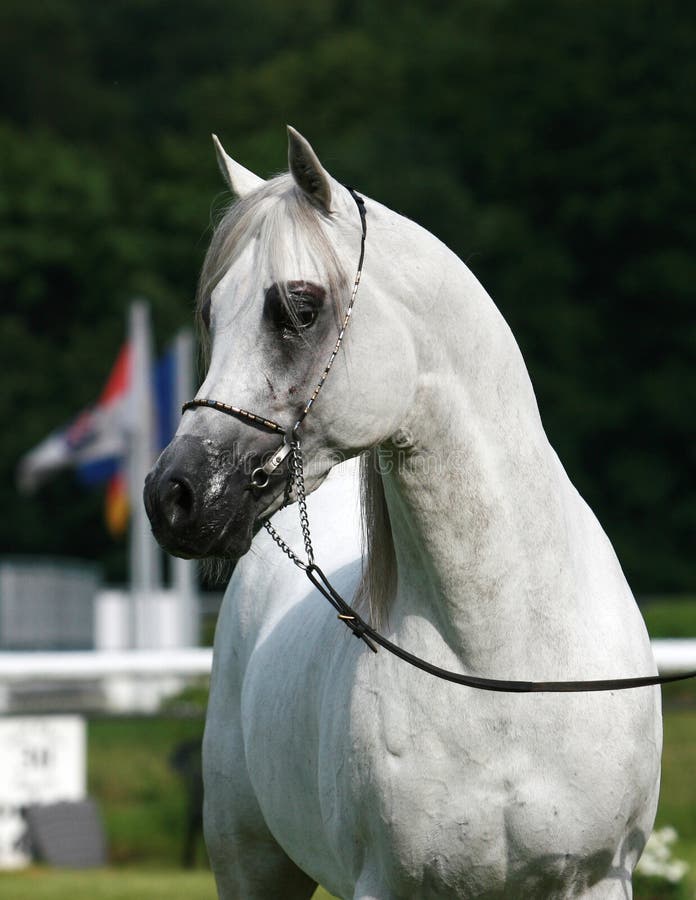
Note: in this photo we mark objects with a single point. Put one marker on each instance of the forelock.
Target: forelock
(269, 214)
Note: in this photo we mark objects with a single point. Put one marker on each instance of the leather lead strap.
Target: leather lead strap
(365, 632)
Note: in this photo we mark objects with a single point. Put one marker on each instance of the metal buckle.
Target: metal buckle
(261, 476)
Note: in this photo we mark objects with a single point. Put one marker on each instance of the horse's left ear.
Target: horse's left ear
(239, 180)
(309, 174)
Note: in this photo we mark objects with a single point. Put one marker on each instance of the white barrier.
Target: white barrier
(159, 620)
(675, 655)
(94, 664)
(131, 680)
(138, 680)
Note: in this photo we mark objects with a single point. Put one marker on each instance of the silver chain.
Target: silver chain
(296, 480)
(297, 469)
(288, 551)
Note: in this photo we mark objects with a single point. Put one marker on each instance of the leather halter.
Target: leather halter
(291, 449)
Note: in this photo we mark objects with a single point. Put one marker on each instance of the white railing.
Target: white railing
(675, 655)
(91, 664)
(138, 680)
(130, 680)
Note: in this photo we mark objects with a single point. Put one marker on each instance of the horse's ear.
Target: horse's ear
(239, 180)
(309, 174)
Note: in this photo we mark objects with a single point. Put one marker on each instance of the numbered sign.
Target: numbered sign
(42, 760)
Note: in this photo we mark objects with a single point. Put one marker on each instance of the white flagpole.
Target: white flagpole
(145, 559)
(184, 571)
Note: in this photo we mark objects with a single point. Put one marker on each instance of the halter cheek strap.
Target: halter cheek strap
(291, 450)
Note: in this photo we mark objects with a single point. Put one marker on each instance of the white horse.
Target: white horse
(326, 763)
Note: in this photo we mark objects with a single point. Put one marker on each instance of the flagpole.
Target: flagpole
(145, 560)
(184, 572)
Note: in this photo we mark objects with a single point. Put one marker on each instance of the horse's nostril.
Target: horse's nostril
(182, 495)
(177, 502)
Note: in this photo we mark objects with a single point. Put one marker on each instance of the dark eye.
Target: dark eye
(303, 311)
(297, 310)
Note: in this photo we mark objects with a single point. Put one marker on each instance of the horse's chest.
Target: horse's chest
(450, 788)
(462, 791)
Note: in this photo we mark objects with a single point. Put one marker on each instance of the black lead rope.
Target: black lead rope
(365, 632)
(291, 450)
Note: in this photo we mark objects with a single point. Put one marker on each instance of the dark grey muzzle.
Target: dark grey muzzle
(197, 499)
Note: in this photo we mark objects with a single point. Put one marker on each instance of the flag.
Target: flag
(117, 504)
(100, 435)
(109, 446)
(95, 443)
(166, 408)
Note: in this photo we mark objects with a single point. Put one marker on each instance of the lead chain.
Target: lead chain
(296, 467)
(296, 480)
(288, 551)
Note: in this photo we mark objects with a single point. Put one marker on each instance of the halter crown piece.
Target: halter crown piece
(291, 450)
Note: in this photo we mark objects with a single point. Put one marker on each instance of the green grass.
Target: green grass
(142, 798)
(670, 617)
(678, 792)
(112, 884)
(107, 884)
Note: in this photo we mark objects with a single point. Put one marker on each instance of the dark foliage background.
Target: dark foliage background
(551, 145)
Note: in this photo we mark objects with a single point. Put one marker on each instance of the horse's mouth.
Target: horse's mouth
(220, 537)
(230, 543)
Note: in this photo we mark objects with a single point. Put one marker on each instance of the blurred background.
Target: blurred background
(550, 145)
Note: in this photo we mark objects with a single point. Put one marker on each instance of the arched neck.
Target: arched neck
(477, 498)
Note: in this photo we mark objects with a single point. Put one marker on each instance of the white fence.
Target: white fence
(47, 604)
(57, 605)
(126, 680)
(675, 655)
(138, 680)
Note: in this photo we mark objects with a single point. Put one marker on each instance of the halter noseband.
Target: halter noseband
(291, 448)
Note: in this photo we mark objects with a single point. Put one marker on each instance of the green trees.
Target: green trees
(549, 145)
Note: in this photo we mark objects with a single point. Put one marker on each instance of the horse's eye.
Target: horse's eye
(297, 310)
(303, 311)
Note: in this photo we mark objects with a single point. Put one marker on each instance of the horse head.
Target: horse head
(275, 286)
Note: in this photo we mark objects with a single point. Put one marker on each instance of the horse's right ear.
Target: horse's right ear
(309, 174)
(239, 180)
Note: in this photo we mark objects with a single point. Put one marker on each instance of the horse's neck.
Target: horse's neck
(479, 503)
